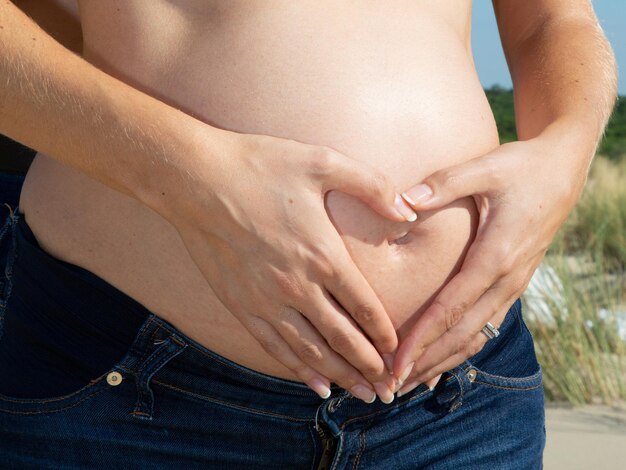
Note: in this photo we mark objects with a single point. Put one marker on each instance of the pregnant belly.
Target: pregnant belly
(384, 98)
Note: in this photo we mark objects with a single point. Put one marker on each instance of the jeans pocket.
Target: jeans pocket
(509, 361)
(37, 406)
(529, 382)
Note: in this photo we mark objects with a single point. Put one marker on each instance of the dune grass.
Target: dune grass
(597, 226)
(576, 304)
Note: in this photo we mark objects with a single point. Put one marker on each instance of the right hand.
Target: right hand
(258, 231)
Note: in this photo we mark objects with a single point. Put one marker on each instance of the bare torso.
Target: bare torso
(393, 87)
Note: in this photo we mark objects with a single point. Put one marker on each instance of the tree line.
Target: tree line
(613, 144)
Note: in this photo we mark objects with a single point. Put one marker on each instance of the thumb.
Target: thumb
(476, 176)
(367, 184)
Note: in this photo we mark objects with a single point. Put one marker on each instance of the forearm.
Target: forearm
(564, 75)
(54, 101)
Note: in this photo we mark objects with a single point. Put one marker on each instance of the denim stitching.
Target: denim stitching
(509, 388)
(379, 412)
(514, 379)
(459, 399)
(148, 352)
(147, 363)
(34, 401)
(397, 405)
(229, 404)
(243, 370)
(143, 331)
(337, 454)
(131, 360)
(145, 396)
(510, 381)
(357, 459)
(238, 368)
(53, 411)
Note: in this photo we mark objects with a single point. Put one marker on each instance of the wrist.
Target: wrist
(191, 162)
(568, 148)
(570, 141)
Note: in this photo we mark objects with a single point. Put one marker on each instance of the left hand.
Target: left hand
(524, 191)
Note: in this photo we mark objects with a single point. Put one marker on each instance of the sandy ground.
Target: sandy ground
(589, 437)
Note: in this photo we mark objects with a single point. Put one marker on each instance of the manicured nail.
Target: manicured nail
(405, 374)
(407, 388)
(417, 194)
(364, 393)
(384, 393)
(433, 382)
(388, 360)
(404, 210)
(319, 387)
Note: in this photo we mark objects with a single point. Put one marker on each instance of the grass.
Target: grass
(574, 300)
(598, 224)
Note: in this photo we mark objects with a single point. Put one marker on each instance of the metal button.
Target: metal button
(114, 379)
(471, 375)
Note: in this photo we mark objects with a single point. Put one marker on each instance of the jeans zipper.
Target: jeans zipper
(329, 446)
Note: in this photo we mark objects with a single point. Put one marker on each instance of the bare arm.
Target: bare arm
(564, 77)
(277, 267)
(563, 70)
(54, 101)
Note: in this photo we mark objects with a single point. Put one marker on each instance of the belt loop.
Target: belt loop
(165, 350)
(451, 395)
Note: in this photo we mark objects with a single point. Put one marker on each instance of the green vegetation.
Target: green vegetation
(501, 101)
(576, 303)
(578, 343)
(582, 355)
(597, 226)
(613, 145)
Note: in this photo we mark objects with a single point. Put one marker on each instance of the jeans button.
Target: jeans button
(114, 379)
(471, 375)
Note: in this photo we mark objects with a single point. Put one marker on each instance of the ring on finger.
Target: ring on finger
(490, 331)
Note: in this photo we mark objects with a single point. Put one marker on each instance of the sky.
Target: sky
(488, 54)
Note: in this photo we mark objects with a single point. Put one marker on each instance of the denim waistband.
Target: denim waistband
(159, 355)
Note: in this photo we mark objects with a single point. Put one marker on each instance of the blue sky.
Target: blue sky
(488, 54)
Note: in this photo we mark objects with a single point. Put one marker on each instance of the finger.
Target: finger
(312, 349)
(477, 343)
(492, 307)
(277, 347)
(371, 186)
(352, 291)
(477, 176)
(344, 337)
(365, 358)
(432, 383)
(466, 338)
(450, 305)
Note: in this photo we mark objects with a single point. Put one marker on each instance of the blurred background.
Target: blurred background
(582, 283)
(575, 305)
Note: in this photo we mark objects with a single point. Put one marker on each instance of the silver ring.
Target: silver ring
(490, 331)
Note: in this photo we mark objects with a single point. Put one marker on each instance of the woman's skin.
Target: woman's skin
(328, 93)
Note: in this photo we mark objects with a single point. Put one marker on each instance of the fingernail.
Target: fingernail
(405, 373)
(417, 194)
(404, 210)
(383, 391)
(364, 393)
(388, 360)
(319, 387)
(433, 382)
(407, 388)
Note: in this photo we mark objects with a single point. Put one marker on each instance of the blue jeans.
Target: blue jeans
(169, 402)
